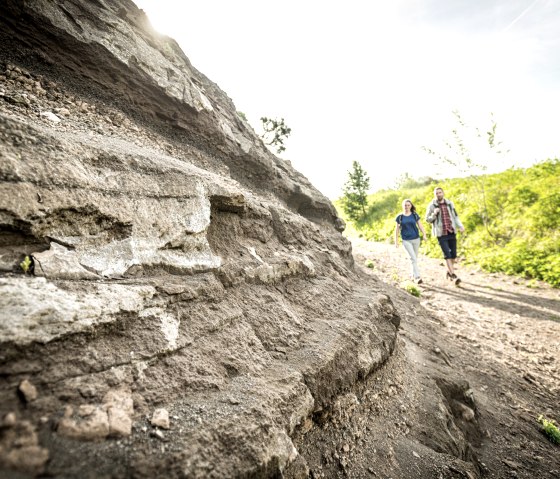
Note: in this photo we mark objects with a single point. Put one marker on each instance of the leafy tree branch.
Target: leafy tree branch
(275, 133)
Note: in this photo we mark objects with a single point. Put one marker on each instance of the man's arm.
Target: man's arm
(456, 217)
(432, 213)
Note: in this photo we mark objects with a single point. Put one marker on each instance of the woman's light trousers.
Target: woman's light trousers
(411, 247)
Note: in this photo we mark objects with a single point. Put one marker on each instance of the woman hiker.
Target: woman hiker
(408, 223)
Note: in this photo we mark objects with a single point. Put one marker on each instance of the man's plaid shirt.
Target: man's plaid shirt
(445, 219)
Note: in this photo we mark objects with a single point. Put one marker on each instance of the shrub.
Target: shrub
(549, 429)
(412, 289)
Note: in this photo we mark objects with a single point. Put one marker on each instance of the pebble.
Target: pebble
(160, 418)
(28, 391)
(9, 420)
(49, 115)
(157, 433)
(62, 111)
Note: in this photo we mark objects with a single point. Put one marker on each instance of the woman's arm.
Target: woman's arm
(397, 231)
(421, 226)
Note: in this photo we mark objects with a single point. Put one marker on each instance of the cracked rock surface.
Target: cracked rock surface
(157, 261)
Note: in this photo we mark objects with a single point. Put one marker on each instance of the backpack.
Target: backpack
(399, 218)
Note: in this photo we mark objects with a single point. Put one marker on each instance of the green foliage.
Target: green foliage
(369, 264)
(275, 133)
(412, 289)
(25, 265)
(355, 190)
(549, 429)
(522, 211)
(242, 115)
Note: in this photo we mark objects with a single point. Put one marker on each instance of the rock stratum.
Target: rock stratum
(189, 305)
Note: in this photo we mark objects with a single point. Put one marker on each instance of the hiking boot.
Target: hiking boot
(455, 278)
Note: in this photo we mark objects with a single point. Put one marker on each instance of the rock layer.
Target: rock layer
(173, 263)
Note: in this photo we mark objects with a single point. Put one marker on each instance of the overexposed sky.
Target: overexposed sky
(374, 81)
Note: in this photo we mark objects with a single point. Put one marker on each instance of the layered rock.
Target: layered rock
(172, 263)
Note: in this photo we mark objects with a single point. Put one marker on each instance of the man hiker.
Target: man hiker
(445, 222)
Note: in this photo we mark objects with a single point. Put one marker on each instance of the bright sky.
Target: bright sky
(374, 81)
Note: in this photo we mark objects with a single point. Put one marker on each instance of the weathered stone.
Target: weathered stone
(28, 391)
(62, 263)
(120, 407)
(160, 418)
(9, 419)
(32, 309)
(119, 399)
(49, 115)
(20, 450)
(120, 423)
(90, 423)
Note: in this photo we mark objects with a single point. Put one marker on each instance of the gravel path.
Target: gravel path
(498, 332)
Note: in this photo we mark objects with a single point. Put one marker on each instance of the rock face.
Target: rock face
(171, 263)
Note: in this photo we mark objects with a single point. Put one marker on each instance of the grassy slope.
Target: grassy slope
(512, 219)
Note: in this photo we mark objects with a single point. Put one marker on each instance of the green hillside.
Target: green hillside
(512, 219)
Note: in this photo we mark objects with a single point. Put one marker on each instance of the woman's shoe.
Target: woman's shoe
(449, 276)
(419, 281)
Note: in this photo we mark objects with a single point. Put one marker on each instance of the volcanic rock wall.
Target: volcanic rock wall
(175, 300)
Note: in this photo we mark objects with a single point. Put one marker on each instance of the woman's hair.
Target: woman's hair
(412, 207)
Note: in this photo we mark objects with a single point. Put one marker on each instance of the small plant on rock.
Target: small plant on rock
(369, 264)
(412, 289)
(549, 429)
(26, 265)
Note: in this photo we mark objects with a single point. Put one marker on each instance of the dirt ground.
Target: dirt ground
(499, 333)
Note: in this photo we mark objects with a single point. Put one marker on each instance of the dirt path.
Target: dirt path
(498, 334)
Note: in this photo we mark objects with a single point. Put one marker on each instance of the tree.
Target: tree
(462, 159)
(275, 132)
(355, 190)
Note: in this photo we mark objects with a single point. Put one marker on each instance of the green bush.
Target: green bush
(549, 429)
